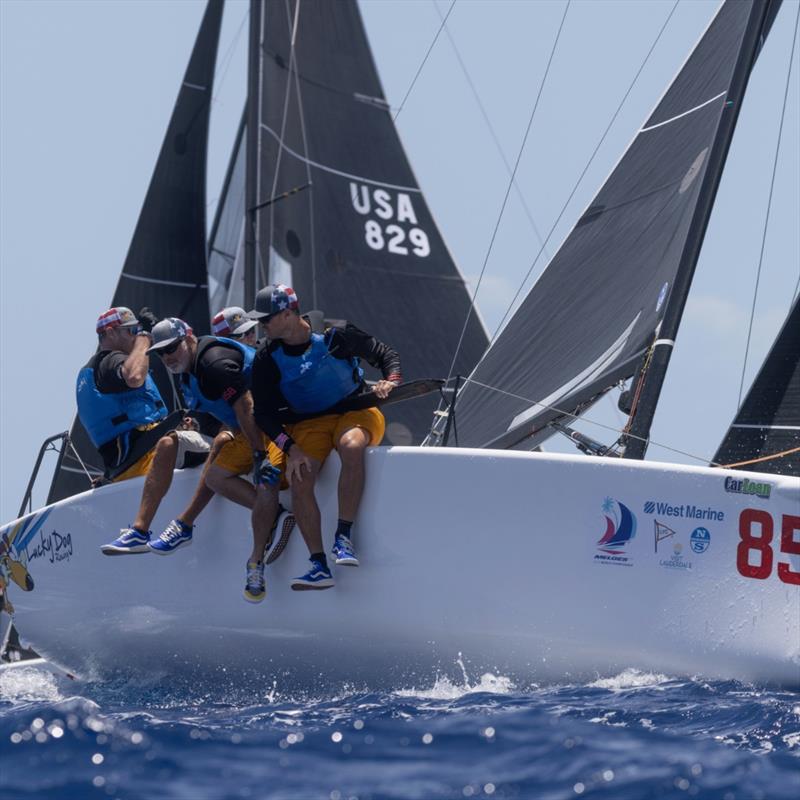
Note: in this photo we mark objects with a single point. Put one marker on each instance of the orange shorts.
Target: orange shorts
(236, 455)
(140, 467)
(318, 436)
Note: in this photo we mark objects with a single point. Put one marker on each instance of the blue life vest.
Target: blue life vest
(219, 408)
(107, 416)
(316, 380)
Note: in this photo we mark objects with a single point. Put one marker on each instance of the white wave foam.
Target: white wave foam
(445, 689)
(25, 684)
(630, 679)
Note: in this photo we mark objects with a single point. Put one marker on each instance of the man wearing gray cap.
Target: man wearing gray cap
(232, 323)
(311, 368)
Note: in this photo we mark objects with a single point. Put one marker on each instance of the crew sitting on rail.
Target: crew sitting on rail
(127, 421)
(310, 369)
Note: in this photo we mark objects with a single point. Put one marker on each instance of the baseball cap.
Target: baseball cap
(231, 320)
(117, 317)
(272, 300)
(167, 332)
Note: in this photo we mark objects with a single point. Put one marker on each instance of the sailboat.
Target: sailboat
(553, 564)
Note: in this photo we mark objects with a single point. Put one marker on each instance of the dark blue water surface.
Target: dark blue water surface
(635, 735)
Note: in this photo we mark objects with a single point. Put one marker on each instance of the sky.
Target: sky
(87, 88)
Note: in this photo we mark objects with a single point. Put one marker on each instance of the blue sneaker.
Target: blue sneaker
(318, 577)
(256, 587)
(343, 552)
(175, 535)
(129, 541)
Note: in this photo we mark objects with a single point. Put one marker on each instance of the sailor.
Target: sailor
(122, 410)
(311, 367)
(215, 378)
(232, 323)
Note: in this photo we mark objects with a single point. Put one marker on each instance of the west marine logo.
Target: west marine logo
(620, 529)
(686, 510)
(745, 486)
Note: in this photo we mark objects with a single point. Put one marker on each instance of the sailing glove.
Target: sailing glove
(264, 474)
(147, 319)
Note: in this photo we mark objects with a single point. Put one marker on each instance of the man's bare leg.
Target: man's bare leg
(264, 512)
(158, 481)
(306, 510)
(351, 447)
(231, 486)
(203, 493)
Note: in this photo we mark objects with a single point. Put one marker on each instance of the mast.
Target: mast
(252, 168)
(636, 440)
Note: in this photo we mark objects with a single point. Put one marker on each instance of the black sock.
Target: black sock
(344, 528)
(320, 559)
(139, 530)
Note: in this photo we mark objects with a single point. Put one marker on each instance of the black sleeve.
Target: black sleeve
(108, 373)
(267, 396)
(353, 342)
(219, 373)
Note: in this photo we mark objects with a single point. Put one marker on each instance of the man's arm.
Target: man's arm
(244, 416)
(352, 342)
(134, 370)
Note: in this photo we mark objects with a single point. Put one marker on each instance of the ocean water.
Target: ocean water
(632, 735)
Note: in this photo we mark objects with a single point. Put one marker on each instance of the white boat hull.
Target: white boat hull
(526, 563)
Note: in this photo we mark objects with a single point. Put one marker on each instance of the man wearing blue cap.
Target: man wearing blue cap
(309, 368)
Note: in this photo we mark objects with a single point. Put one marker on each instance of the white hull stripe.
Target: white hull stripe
(333, 171)
(165, 283)
(770, 427)
(678, 116)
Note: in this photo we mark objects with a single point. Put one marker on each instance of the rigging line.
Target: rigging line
(489, 125)
(508, 189)
(227, 58)
(769, 207)
(585, 170)
(576, 417)
(311, 225)
(769, 457)
(413, 82)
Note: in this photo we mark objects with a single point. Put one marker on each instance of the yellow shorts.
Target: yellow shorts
(236, 455)
(140, 467)
(318, 436)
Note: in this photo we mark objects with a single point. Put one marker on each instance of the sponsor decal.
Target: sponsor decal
(661, 532)
(54, 547)
(760, 489)
(685, 511)
(620, 530)
(14, 540)
(676, 561)
(699, 540)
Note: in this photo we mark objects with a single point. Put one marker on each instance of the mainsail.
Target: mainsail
(768, 422)
(597, 307)
(338, 213)
(165, 268)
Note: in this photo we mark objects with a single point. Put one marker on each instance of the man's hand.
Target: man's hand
(295, 463)
(382, 388)
(264, 473)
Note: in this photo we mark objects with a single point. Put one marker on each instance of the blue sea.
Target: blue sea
(631, 735)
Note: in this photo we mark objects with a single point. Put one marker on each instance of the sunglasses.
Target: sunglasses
(168, 351)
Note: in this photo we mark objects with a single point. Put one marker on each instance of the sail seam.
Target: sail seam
(768, 427)
(684, 114)
(333, 171)
(163, 282)
(195, 86)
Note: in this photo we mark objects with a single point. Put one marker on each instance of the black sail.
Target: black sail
(768, 422)
(165, 268)
(342, 218)
(587, 322)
